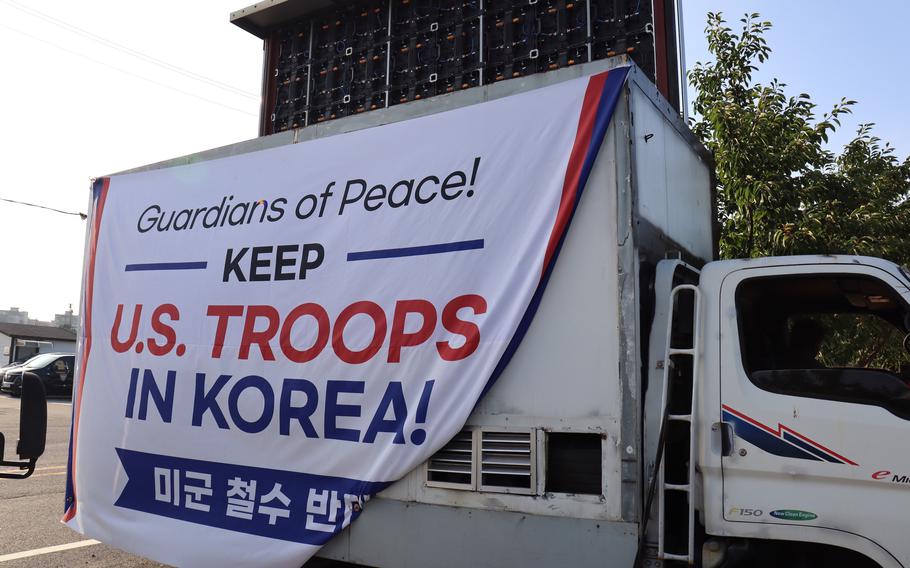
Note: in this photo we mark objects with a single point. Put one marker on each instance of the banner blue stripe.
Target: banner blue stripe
(416, 251)
(167, 266)
(609, 98)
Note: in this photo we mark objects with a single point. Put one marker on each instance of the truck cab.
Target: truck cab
(801, 397)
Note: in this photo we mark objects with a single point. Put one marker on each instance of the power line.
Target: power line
(128, 50)
(124, 71)
(82, 216)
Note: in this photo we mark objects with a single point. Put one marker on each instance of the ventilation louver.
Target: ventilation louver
(453, 465)
(507, 461)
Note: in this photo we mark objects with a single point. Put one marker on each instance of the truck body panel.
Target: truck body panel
(406, 535)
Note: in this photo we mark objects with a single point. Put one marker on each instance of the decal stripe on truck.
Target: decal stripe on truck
(783, 442)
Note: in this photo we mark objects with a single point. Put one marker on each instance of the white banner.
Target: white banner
(272, 338)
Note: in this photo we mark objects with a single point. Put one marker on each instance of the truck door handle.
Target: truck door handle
(726, 438)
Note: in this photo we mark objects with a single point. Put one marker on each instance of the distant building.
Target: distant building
(67, 320)
(19, 342)
(13, 315)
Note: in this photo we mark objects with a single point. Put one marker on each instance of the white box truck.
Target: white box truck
(663, 405)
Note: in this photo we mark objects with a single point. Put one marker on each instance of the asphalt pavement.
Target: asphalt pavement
(31, 533)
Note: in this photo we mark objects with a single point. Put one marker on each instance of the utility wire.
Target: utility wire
(124, 71)
(129, 51)
(82, 216)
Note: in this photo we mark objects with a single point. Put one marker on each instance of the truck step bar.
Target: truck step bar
(668, 509)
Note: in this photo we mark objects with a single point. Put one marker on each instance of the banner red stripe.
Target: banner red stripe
(90, 281)
(586, 122)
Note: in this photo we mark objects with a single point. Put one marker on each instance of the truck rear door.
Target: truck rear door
(814, 391)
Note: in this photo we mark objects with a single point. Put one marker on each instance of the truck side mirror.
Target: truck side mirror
(32, 428)
(32, 418)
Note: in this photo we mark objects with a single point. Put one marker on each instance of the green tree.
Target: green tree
(780, 191)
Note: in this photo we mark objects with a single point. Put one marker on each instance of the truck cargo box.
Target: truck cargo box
(550, 462)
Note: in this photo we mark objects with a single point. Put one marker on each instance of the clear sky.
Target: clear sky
(75, 103)
(828, 49)
(73, 107)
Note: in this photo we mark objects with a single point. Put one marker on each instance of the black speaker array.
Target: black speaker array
(380, 53)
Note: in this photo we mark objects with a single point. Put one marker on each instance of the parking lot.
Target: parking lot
(30, 509)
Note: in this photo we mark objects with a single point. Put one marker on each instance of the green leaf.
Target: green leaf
(779, 189)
